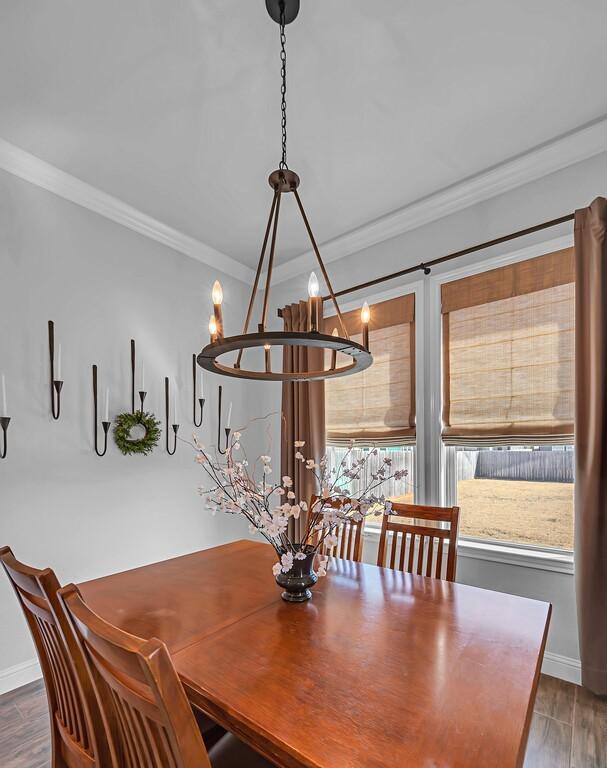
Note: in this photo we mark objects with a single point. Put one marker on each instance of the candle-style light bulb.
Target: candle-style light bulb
(217, 292)
(142, 377)
(59, 364)
(334, 352)
(107, 404)
(201, 385)
(365, 313)
(175, 411)
(365, 316)
(213, 328)
(229, 416)
(314, 303)
(268, 357)
(313, 287)
(4, 408)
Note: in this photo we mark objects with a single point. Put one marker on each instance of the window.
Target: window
(495, 427)
(508, 398)
(516, 494)
(376, 407)
(402, 456)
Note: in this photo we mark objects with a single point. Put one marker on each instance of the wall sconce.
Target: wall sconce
(106, 422)
(56, 383)
(201, 398)
(142, 392)
(175, 425)
(227, 429)
(4, 420)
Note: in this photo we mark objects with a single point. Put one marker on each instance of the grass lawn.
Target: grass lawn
(514, 510)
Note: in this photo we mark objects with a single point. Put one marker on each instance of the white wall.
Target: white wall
(550, 197)
(63, 506)
(102, 284)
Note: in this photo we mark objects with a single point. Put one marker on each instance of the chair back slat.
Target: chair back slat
(417, 541)
(142, 701)
(430, 555)
(420, 555)
(77, 736)
(349, 534)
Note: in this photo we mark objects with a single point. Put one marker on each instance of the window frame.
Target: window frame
(418, 289)
(432, 458)
(443, 457)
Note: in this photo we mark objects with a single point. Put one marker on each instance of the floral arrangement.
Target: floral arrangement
(269, 507)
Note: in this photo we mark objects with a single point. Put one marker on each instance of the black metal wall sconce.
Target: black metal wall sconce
(4, 422)
(142, 392)
(227, 429)
(197, 423)
(56, 383)
(167, 417)
(106, 422)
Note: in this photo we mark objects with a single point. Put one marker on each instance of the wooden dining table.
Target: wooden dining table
(380, 668)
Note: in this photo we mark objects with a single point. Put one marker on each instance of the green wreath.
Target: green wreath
(123, 436)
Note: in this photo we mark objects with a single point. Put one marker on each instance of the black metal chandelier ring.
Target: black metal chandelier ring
(361, 357)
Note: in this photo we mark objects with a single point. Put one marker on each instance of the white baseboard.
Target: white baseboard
(20, 674)
(564, 667)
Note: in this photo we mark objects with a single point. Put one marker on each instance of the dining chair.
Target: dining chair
(144, 707)
(349, 535)
(77, 736)
(416, 547)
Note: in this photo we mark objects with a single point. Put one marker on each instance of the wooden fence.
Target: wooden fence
(535, 466)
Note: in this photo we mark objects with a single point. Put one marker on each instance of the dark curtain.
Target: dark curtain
(303, 412)
(591, 441)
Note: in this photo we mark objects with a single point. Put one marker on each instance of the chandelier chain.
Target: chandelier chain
(283, 87)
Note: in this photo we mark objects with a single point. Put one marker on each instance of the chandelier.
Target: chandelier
(285, 182)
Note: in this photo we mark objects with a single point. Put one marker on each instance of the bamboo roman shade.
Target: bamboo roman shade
(377, 405)
(508, 353)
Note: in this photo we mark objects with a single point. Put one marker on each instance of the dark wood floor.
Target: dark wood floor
(569, 728)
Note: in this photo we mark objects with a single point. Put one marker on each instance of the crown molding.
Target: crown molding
(26, 166)
(552, 156)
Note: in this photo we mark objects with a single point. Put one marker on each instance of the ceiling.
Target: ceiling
(173, 107)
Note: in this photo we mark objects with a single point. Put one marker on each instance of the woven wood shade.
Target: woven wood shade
(508, 353)
(377, 405)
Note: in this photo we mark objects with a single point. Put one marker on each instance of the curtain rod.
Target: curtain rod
(426, 266)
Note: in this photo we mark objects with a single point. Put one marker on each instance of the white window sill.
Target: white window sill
(510, 554)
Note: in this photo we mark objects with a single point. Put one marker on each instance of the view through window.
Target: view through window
(402, 457)
(517, 494)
